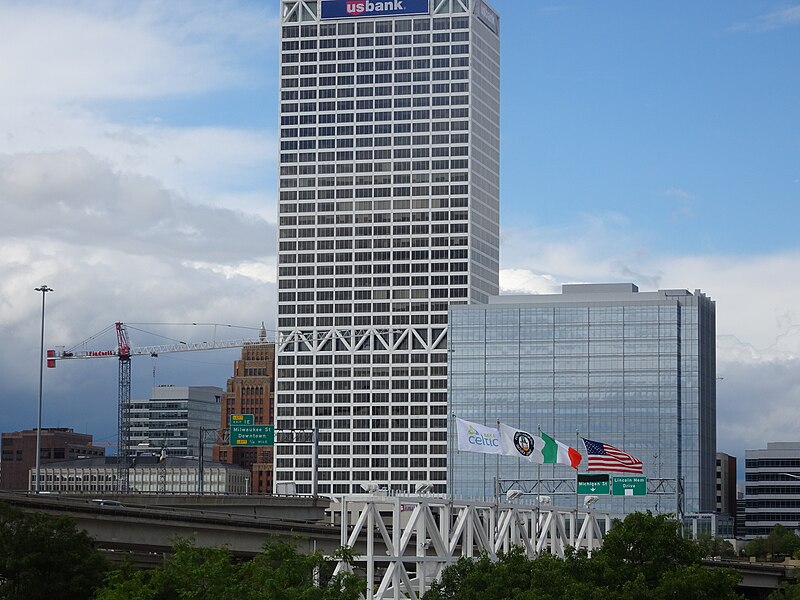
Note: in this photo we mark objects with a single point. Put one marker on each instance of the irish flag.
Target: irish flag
(555, 452)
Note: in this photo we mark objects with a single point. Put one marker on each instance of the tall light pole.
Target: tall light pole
(44, 289)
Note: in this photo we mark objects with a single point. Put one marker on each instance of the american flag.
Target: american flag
(605, 457)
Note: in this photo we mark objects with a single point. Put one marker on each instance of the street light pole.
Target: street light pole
(43, 289)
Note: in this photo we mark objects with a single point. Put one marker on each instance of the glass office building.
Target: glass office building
(172, 418)
(388, 215)
(632, 369)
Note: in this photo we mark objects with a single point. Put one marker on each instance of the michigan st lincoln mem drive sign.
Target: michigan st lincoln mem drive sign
(342, 9)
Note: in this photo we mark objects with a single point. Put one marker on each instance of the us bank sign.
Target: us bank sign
(343, 9)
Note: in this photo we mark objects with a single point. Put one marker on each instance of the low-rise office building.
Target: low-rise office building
(147, 475)
(772, 489)
(56, 444)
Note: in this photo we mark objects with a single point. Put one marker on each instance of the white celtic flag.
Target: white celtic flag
(473, 437)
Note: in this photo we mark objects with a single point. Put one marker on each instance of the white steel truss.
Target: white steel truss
(407, 541)
(368, 339)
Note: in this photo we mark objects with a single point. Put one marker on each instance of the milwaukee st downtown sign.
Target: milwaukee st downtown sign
(343, 9)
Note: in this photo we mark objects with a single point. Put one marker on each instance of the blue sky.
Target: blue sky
(657, 143)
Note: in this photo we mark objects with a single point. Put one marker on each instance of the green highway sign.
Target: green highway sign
(629, 485)
(242, 420)
(593, 484)
(252, 435)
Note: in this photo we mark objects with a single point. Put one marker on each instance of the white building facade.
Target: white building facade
(772, 488)
(388, 214)
(148, 475)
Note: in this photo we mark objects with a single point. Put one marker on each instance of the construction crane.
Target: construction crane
(124, 352)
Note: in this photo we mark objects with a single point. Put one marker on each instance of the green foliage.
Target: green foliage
(643, 557)
(791, 592)
(193, 573)
(780, 542)
(43, 557)
(646, 544)
(715, 546)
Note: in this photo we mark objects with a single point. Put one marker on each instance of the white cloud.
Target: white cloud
(205, 162)
(783, 17)
(94, 51)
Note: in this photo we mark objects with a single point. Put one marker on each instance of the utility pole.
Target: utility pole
(43, 289)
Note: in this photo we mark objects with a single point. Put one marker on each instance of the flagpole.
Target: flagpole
(575, 526)
(497, 471)
(451, 456)
(538, 491)
(538, 470)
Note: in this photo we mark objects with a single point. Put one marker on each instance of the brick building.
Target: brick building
(250, 392)
(57, 443)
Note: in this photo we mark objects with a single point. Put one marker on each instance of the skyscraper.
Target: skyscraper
(636, 370)
(388, 214)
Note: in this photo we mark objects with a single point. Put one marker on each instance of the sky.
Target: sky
(654, 143)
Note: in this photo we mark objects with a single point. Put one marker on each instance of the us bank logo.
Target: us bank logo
(342, 9)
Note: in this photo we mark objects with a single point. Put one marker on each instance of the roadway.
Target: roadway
(149, 525)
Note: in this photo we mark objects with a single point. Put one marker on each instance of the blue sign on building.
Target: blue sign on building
(343, 9)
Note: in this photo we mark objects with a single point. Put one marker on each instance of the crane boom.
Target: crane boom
(123, 349)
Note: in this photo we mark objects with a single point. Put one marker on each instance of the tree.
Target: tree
(715, 546)
(779, 543)
(43, 557)
(643, 556)
(193, 573)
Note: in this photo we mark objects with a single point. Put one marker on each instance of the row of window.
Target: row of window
(419, 142)
(365, 269)
(436, 229)
(326, 296)
(346, 462)
(363, 92)
(419, 115)
(309, 245)
(345, 117)
(364, 178)
(364, 384)
(383, 40)
(370, 282)
(367, 27)
(361, 385)
(783, 463)
(362, 321)
(419, 66)
(374, 397)
(290, 448)
(422, 165)
(339, 411)
(346, 84)
(376, 307)
(365, 358)
(420, 265)
(373, 207)
(381, 192)
(365, 55)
